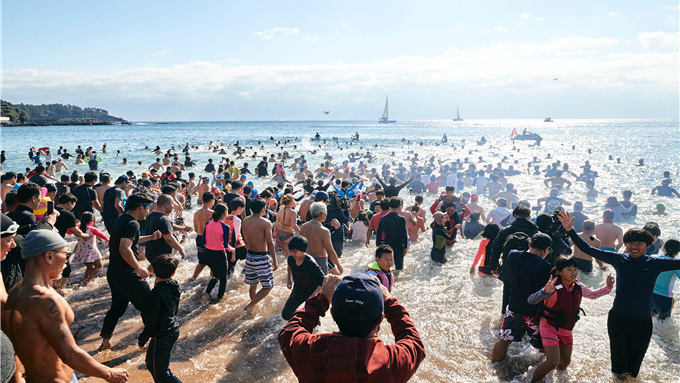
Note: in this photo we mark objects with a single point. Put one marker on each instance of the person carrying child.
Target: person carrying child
(159, 320)
(382, 267)
(559, 312)
(304, 276)
(86, 250)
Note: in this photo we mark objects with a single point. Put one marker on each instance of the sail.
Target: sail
(457, 114)
(384, 116)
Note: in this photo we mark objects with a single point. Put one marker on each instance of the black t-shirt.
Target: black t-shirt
(229, 197)
(307, 276)
(85, 195)
(109, 210)
(124, 227)
(65, 221)
(158, 221)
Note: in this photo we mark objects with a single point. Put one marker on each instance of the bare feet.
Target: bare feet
(106, 344)
(205, 299)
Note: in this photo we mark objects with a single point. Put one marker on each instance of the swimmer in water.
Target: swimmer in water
(665, 190)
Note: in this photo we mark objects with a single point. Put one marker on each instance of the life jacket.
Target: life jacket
(565, 313)
(236, 237)
(384, 280)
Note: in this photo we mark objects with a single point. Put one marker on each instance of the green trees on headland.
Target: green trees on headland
(15, 115)
(56, 114)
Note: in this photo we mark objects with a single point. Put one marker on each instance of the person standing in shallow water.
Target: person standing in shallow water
(125, 274)
(629, 324)
(261, 257)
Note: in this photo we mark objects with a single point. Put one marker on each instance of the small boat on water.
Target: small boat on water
(457, 116)
(385, 116)
(525, 136)
(548, 119)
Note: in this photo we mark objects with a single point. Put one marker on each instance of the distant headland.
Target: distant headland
(56, 114)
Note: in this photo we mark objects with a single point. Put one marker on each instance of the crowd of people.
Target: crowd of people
(133, 225)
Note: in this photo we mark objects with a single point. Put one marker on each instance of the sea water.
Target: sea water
(458, 316)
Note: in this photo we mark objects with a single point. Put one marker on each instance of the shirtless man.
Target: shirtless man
(474, 206)
(557, 182)
(261, 257)
(319, 237)
(201, 218)
(105, 184)
(156, 165)
(304, 207)
(610, 235)
(493, 187)
(584, 261)
(509, 195)
(203, 188)
(40, 318)
(9, 179)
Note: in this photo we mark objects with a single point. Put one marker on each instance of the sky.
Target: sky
(291, 60)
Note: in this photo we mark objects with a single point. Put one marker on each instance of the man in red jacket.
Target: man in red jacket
(356, 353)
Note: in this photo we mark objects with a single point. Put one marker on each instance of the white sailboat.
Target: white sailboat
(385, 116)
(457, 116)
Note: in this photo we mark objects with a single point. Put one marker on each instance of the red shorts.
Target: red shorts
(554, 337)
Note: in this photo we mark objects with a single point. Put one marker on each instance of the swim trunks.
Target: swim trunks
(323, 264)
(515, 326)
(258, 269)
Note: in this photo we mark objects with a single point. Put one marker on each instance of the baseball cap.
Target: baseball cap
(321, 196)
(358, 294)
(122, 179)
(474, 197)
(439, 217)
(39, 241)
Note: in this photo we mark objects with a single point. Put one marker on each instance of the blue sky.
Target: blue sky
(246, 60)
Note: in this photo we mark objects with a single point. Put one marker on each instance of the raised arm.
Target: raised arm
(605, 256)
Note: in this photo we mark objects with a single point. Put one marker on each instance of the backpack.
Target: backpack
(336, 201)
(515, 241)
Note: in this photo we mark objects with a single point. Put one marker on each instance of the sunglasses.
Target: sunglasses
(65, 252)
